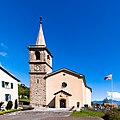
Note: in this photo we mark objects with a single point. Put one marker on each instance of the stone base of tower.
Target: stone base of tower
(34, 105)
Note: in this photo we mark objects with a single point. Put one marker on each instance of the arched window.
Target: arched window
(37, 54)
(37, 80)
(48, 57)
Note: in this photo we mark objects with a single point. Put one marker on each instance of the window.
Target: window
(7, 85)
(48, 57)
(11, 85)
(37, 80)
(3, 84)
(37, 54)
(7, 97)
(64, 84)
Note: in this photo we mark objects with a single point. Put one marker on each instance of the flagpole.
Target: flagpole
(112, 91)
(109, 77)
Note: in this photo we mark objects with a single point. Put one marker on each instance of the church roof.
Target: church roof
(71, 73)
(9, 74)
(40, 38)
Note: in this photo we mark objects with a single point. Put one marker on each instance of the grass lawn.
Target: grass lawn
(88, 113)
(9, 111)
(24, 100)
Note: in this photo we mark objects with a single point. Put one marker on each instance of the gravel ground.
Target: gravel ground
(43, 115)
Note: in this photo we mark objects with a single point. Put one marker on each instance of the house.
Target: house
(8, 87)
(63, 88)
(115, 105)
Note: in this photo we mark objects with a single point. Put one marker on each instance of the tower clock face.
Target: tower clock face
(37, 67)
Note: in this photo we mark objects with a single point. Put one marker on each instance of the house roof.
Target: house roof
(62, 92)
(71, 73)
(9, 74)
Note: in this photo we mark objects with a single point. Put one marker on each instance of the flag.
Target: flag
(109, 77)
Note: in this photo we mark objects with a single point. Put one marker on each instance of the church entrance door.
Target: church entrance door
(62, 103)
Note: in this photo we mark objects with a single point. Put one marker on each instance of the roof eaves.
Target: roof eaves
(9, 74)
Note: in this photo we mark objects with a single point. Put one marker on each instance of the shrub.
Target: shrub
(112, 115)
(9, 105)
(1, 103)
(16, 104)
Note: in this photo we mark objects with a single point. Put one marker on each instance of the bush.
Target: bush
(112, 115)
(1, 103)
(9, 105)
(16, 104)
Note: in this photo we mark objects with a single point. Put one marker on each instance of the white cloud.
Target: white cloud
(115, 95)
(97, 100)
(2, 45)
(3, 54)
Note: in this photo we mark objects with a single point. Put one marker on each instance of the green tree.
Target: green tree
(105, 100)
(23, 90)
(20, 90)
(27, 92)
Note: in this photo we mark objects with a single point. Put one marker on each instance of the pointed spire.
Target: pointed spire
(40, 37)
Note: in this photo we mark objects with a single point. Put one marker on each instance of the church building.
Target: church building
(63, 88)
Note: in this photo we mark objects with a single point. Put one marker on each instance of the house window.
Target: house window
(7, 97)
(3, 84)
(37, 54)
(11, 85)
(7, 85)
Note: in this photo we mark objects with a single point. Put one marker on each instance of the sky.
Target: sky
(82, 35)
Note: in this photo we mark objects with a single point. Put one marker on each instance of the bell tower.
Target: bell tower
(40, 63)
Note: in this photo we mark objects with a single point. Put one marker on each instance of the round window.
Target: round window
(64, 84)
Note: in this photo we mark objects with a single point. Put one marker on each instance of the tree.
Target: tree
(27, 92)
(105, 100)
(9, 105)
(23, 90)
(16, 104)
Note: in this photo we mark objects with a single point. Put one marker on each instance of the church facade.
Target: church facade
(63, 88)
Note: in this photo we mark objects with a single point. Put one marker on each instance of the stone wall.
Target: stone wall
(37, 91)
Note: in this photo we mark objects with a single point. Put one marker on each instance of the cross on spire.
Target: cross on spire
(40, 19)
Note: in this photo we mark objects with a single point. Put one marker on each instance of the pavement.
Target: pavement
(44, 114)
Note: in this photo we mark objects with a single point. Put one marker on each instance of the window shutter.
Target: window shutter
(7, 97)
(11, 85)
(3, 84)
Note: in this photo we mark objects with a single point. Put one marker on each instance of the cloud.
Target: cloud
(115, 95)
(2, 45)
(3, 54)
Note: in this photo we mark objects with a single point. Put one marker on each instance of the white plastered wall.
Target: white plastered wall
(75, 87)
(13, 92)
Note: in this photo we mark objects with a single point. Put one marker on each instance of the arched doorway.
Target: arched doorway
(62, 103)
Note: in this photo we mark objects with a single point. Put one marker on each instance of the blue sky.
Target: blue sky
(82, 35)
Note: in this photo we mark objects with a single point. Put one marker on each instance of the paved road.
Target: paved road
(43, 115)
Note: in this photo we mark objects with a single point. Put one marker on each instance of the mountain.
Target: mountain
(109, 101)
